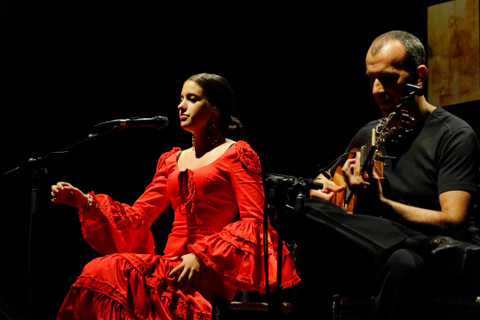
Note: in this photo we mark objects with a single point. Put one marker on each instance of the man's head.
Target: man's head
(394, 59)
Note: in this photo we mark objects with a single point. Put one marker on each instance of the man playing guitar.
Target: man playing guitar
(430, 170)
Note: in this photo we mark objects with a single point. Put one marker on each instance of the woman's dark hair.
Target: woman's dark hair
(219, 94)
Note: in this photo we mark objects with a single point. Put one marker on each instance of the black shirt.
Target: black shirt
(442, 155)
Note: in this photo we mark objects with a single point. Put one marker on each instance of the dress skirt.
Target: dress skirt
(137, 286)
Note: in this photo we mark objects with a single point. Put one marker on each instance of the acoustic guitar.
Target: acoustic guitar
(371, 158)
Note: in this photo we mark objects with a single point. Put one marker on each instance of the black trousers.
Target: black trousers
(404, 287)
(362, 256)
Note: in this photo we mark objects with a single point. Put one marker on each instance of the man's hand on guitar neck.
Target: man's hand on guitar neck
(357, 183)
(352, 172)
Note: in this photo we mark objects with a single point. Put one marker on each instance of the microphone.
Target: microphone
(416, 90)
(158, 122)
(292, 182)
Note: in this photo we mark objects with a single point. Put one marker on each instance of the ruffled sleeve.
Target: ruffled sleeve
(237, 251)
(111, 227)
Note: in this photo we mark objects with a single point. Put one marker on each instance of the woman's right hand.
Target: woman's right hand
(64, 192)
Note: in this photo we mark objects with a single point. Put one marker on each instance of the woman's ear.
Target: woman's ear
(215, 113)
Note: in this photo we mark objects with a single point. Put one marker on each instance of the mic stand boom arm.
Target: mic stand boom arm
(37, 163)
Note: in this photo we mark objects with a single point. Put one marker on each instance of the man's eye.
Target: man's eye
(384, 78)
(388, 79)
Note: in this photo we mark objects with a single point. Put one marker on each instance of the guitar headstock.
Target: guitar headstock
(396, 126)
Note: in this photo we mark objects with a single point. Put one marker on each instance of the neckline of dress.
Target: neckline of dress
(205, 166)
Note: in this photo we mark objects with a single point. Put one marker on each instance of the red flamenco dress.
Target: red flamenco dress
(132, 282)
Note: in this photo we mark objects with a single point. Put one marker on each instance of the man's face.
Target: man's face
(387, 80)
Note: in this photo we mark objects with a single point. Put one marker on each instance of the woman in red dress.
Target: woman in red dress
(208, 254)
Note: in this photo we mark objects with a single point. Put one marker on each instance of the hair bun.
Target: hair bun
(236, 129)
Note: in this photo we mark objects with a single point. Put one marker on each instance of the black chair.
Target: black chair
(250, 306)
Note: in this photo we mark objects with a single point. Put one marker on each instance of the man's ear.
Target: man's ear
(422, 73)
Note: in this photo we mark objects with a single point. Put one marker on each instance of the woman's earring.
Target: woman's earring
(212, 134)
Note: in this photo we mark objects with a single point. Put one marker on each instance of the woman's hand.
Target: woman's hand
(189, 268)
(64, 192)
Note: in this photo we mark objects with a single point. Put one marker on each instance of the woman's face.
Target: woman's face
(194, 109)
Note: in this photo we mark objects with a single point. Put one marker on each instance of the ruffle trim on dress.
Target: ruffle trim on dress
(183, 310)
(245, 235)
(188, 191)
(142, 268)
(102, 288)
(249, 159)
(81, 217)
(106, 227)
(237, 253)
(85, 229)
(172, 301)
(115, 215)
(162, 160)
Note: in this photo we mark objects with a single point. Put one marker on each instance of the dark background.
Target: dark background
(297, 70)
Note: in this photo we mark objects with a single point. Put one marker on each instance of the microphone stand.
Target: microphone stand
(38, 162)
(276, 207)
(38, 173)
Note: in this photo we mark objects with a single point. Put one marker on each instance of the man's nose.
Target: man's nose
(377, 87)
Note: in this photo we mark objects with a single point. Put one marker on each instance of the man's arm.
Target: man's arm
(454, 204)
(454, 209)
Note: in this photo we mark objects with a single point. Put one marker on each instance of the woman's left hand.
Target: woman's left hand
(188, 268)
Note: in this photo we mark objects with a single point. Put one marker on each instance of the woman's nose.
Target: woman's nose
(181, 105)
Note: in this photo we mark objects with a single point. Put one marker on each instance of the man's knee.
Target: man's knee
(405, 263)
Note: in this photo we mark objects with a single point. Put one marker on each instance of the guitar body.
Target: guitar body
(345, 199)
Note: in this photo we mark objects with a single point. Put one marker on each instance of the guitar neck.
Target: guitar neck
(368, 151)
